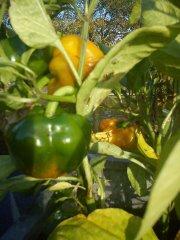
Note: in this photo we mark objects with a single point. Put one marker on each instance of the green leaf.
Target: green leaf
(27, 55)
(177, 205)
(166, 186)
(104, 224)
(3, 9)
(135, 13)
(31, 22)
(33, 25)
(138, 178)
(168, 58)
(159, 12)
(175, 2)
(162, 12)
(6, 166)
(19, 183)
(120, 59)
(7, 75)
(136, 77)
(60, 186)
(109, 149)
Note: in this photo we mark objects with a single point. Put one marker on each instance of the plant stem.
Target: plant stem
(59, 45)
(70, 99)
(84, 36)
(151, 131)
(52, 106)
(5, 97)
(87, 170)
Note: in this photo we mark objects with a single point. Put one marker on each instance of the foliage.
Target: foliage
(140, 72)
(100, 224)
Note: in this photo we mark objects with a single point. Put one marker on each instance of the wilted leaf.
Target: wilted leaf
(104, 224)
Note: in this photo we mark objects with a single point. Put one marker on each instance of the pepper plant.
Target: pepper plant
(51, 146)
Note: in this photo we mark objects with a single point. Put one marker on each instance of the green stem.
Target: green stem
(52, 106)
(70, 99)
(151, 131)
(59, 45)
(84, 36)
(5, 97)
(92, 6)
(87, 170)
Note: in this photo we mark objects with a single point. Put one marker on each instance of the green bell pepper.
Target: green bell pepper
(48, 147)
(39, 61)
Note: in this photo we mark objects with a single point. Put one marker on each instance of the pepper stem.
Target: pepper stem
(52, 106)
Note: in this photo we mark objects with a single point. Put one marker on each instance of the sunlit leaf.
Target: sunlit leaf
(135, 13)
(120, 59)
(166, 186)
(160, 12)
(104, 224)
(31, 22)
(60, 186)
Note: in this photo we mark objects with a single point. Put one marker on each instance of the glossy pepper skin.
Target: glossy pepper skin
(39, 60)
(48, 147)
(60, 68)
(122, 137)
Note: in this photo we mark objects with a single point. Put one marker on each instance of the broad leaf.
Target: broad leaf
(162, 12)
(159, 12)
(31, 22)
(19, 183)
(104, 224)
(109, 149)
(138, 178)
(6, 166)
(166, 186)
(33, 25)
(120, 59)
(168, 59)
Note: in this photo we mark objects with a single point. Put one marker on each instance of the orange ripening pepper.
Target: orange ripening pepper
(122, 137)
(59, 67)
